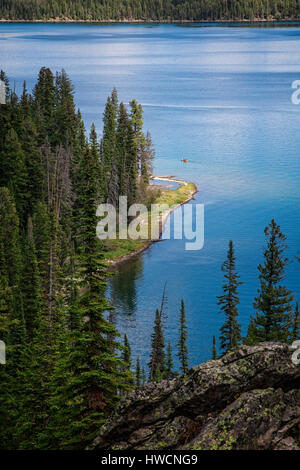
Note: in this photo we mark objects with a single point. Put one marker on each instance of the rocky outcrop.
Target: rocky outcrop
(249, 399)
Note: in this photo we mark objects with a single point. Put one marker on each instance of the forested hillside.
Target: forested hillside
(153, 10)
(65, 368)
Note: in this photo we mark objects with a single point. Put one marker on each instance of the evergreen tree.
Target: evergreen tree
(251, 339)
(126, 356)
(131, 164)
(136, 117)
(273, 302)
(181, 345)
(147, 157)
(44, 105)
(231, 329)
(65, 117)
(214, 354)
(115, 101)
(157, 356)
(121, 140)
(34, 168)
(108, 150)
(138, 377)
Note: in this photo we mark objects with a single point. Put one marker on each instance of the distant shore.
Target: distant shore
(149, 21)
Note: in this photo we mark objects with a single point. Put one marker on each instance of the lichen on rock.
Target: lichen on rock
(248, 399)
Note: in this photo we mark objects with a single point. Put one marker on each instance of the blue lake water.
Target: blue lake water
(218, 95)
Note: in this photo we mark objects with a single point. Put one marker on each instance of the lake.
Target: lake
(218, 95)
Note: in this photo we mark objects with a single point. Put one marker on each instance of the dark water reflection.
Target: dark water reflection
(123, 292)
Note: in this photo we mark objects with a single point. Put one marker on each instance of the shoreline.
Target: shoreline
(114, 263)
(152, 22)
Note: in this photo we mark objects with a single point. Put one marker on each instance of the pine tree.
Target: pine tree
(65, 117)
(273, 302)
(169, 362)
(95, 158)
(80, 147)
(34, 166)
(108, 150)
(126, 356)
(147, 157)
(181, 345)
(44, 105)
(114, 100)
(231, 329)
(214, 354)
(157, 357)
(132, 171)
(136, 117)
(25, 101)
(121, 143)
(138, 376)
(251, 338)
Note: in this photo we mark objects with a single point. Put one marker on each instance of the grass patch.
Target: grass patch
(176, 196)
(117, 249)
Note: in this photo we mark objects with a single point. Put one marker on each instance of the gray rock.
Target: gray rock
(249, 399)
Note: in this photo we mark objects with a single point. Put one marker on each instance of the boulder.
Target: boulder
(248, 399)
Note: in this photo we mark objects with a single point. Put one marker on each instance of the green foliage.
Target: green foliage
(138, 373)
(182, 353)
(273, 302)
(153, 10)
(12, 327)
(93, 373)
(157, 356)
(65, 369)
(231, 329)
(214, 354)
(126, 356)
